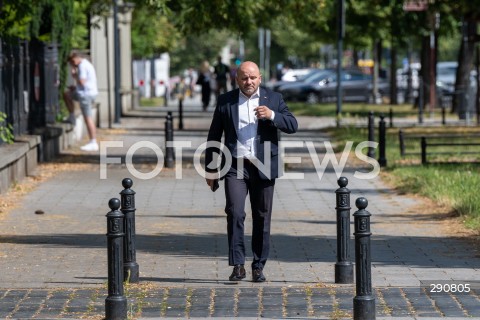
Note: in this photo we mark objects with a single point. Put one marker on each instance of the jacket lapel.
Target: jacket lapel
(263, 97)
(234, 111)
(263, 101)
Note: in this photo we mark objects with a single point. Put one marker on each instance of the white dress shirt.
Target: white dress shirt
(247, 126)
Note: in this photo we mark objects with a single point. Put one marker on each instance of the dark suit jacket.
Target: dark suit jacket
(226, 120)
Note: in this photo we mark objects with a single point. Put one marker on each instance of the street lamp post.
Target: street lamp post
(267, 54)
(341, 35)
(116, 48)
(261, 47)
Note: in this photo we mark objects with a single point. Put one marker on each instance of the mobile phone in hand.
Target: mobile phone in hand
(215, 186)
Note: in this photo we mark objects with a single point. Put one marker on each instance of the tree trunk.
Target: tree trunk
(355, 57)
(424, 71)
(409, 94)
(393, 76)
(465, 63)
(377, 49)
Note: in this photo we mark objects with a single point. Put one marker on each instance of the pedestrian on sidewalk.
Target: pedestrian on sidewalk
(249, 117)
(204, 80)
(233, 76)
(84, 91)
(222, 72)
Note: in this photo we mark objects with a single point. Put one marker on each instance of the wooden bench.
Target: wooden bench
(439, 140)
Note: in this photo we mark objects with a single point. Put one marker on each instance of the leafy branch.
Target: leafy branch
(6, 129)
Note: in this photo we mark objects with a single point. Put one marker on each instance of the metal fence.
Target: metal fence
(29, 84)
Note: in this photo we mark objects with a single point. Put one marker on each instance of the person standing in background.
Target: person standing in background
(222, 72)
(204, 80)
(85, 91)
(233, 76)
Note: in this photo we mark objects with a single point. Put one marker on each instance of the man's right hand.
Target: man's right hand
(212, 183)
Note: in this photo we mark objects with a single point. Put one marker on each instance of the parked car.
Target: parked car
(402, 76)
(322, 87)
(277, 84)
(300, 90)
(294, 74)
(446, 77)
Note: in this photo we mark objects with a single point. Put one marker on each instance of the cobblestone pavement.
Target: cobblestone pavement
(235, 302)
(54, 264)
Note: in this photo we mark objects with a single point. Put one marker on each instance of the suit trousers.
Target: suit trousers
(238, 184)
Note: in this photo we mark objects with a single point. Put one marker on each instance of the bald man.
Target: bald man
(249, 118)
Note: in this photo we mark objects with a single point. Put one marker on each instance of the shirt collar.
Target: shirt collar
(256, 94)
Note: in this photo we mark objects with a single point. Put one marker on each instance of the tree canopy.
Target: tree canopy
(299, 27)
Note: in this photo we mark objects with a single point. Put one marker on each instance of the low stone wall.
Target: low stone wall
(18, 160)
(55, 139)
(21, 158)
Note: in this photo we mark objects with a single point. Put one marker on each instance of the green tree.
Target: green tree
(152, 33)
(194, 49)
(296, 42)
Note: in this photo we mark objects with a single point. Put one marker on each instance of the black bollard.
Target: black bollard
(401, 142)
(423, 148)
(382, 132)
(165, 100)
(443, 116)
(115, 303)
(130, 265)
(420, 100)
(371, 134)
(180, 114)
(390, 115)
(343, 267)
(169, 156)
(364, 301)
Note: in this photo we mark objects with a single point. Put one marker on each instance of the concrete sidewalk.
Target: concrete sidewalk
(54, 264)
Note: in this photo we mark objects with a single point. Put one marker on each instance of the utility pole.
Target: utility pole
(261, 47)
(435, 24)
(267, 54)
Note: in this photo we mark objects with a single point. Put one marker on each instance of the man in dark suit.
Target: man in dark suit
(250, 118)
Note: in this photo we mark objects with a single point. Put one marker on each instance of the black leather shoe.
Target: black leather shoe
(238, 273)
(257, 275)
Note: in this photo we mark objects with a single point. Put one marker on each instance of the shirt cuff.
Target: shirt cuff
(273, 115)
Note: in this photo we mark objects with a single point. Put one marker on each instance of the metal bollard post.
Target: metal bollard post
(423, 147)
(382, 132)
(130, 265)
(371, 134)
(169, 156)
(343, 267)
(364, 301)
(180, 114)
(401, 141)
(115, 303)
(420, 100)
(443, 116)
(165, 100)
(390, 115)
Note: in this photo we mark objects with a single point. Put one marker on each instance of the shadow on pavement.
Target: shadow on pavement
(288, 248)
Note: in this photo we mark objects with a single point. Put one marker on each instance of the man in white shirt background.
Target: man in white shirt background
(85, 91)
